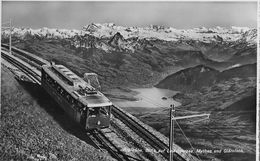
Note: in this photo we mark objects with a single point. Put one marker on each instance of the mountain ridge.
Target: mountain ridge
(147, 53)
(108, 30)
(100, 36)
(196, 77)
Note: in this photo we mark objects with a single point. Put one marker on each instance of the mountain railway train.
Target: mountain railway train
(82, 102)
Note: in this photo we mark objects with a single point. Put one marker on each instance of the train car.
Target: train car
(82, 102)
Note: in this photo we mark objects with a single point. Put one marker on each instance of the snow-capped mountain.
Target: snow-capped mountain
(166, 33)
(110, 37)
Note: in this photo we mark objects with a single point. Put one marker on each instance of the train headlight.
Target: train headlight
(98, 123)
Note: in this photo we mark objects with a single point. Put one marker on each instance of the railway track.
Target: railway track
(156, 143)
(32, 75)
(21, 53)
(101, 141)
(97, 136)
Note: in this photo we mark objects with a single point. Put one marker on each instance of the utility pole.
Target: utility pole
(10, 37)
(171, 140)
(172, 119)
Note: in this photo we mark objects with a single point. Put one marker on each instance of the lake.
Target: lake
(150, 98)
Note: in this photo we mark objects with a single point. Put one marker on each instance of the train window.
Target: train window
(68, 97)
(98, 111)
(104, 110)
(50, 81)
(66, 94)
(80, 105)
(93, 111)
(43, 75)
(72, 100)
(52, 84)
(61, 92)
(58, 88)
(73, 105)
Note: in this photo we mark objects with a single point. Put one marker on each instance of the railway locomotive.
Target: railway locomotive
(81, 101)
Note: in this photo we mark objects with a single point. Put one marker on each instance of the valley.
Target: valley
(210, 71)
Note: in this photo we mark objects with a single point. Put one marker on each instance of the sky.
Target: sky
(180, 15)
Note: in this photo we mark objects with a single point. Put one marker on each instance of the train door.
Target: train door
(79, 112)
(68, 106)
(74, 109)
(86, 120)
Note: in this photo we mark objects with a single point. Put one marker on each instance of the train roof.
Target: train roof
(76, 86)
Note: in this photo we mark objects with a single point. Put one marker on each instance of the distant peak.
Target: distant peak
(91, 26)
(118, 34)
(116, 38)
(203, 67)
(240, 29)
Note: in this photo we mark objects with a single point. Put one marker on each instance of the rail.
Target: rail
(28, 55)
(150, 138)
(105, 143)
(154, 141)
(31, 74)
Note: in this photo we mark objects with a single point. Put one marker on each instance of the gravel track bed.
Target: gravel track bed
(139, 145)
(163, 138)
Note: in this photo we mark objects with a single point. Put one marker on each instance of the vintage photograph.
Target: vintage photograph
(129, 81)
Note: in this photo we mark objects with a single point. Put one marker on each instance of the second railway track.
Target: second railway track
(100, 139)
(34, 76)
(154, 141)
(102, 142)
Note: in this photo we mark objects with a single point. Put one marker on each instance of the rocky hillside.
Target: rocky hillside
(243, 71)
(244, 56)
(190, 79)
(196, 77)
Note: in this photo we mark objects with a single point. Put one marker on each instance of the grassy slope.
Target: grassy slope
(231, 125)
(34, 128)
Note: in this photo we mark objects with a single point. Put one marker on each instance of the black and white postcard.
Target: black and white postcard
(129, 81)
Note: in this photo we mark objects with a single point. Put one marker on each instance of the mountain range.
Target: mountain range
(132, 38)
(139, 55)
(213, 68)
